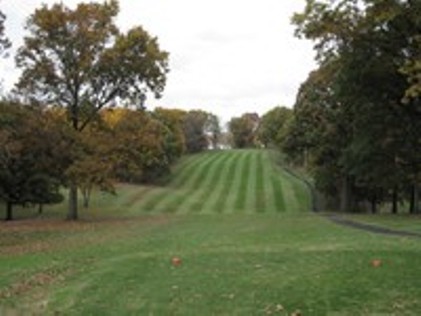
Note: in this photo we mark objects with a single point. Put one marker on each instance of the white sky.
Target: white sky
(227, 57)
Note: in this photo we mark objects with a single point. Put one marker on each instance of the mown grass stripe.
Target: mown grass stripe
(289, 192)
(184, 177)
(260, 184)
(242, 189)
(180, 176)
(267, 175)
(278, 192)
(134, 200)
(190, 178)
(250, 197)
(194, 186)
(160, 194)
(227, 182)
(210, 186)
(179, 195)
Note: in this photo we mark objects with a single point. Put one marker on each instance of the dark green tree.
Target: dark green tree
(272, 124)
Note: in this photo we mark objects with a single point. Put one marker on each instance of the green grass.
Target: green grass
(265, 255)
(404, 222)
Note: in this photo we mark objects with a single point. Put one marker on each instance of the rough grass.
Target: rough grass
(264, 255)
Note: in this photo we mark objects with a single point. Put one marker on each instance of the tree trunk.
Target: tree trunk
(374, 204)
(86, 193)
(9, 211)
(72, 212)
(346, 203)
(40, 209)
(395, 201)
(414, 203)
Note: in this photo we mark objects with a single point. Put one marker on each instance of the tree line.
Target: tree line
(77, 116)
(119, 145)
(356, 123)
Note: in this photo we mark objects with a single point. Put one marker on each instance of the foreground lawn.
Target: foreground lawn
(247, 244)
(231, 265)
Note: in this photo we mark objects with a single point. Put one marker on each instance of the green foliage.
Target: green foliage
(197, 125)
(140, 147)
(30, 165)
(4, 41)
(272, 125)
(176, 142)
(78, 59)
(356, 120)
(244, 130)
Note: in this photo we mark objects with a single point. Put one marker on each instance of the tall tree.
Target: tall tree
(140, 147)
(194, 127)
(32, 159)
(78, 59)
(213, 130)
(243, 130)
(375, 46)
(4, 41)
(173, 119)
(272, 123)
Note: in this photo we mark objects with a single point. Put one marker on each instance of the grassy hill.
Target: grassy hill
(246, 242)
(227, 182)
(235, 181)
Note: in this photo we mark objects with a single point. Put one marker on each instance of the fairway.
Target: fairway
(246, 239)
(242, 181)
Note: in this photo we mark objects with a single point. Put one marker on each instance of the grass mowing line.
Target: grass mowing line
(209, 187)
(181, 194)
(277, 192)
(269, 194)
(134, 205)
(242, 189)
(226, 182)
(180, 176)
(183, 163)
(250, 197)
(161, 196)
(190, 178)
(260, 185)
(295, 192)
(153, 194)
(201, 175)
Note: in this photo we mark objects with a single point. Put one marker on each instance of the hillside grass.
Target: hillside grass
(241, 181)
(247, 243)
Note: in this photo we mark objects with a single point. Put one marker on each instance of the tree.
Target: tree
(213, 130)
(194, 127)
(139, 147)
(78, 59)
(243, 130)
(173, 119)
(30, 163)
(272, 124)
(374, 46)
(4, 41)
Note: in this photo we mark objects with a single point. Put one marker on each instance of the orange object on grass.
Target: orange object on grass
(176, 261)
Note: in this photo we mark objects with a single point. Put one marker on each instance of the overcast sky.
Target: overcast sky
(226, 56)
